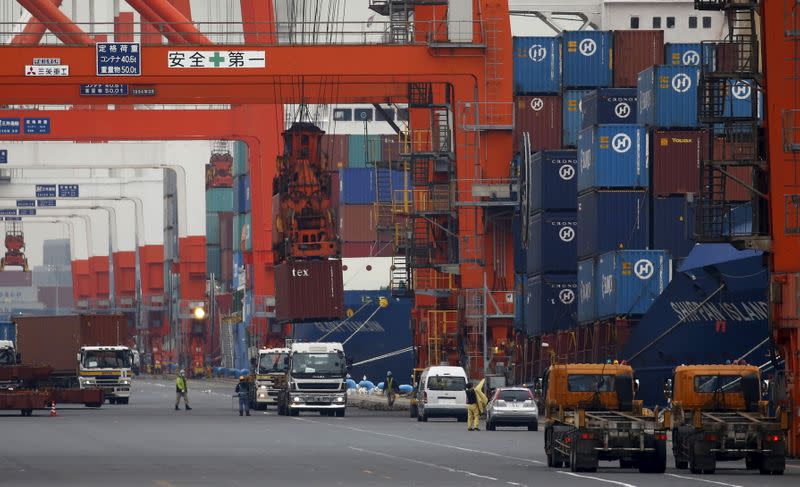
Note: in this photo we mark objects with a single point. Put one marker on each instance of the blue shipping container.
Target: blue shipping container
(537, 65)
(738, 104)
(587, 58)
(552, 242)
(553, 181)
(363, 150)
(672, 225)
(519, 302)
(213, 260)
(629, 281)
(612, 220)
(520, 258)
(688, 54)
(550, 303)
(609, 106)
(667, 96)
(8, 331)
(587, 305)
(571, 117)
(357, 186)
(613, 156)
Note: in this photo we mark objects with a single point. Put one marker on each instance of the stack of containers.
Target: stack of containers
(550, 283)
(537, 92)
(241, 239)
(219, 225)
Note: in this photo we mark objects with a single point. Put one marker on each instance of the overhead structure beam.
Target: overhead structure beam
(61, 25)
(34, 30)
(156, 21)
(178, 22)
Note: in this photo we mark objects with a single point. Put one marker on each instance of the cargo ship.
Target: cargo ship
(376, 339)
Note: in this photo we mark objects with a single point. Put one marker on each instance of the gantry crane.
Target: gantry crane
(15, 247)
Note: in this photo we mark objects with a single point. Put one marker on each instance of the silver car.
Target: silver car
(512, 406)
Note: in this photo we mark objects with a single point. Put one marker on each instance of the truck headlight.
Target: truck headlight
(263, 388)
(125, 381)
(297, 399)
(261, 395)
(340, 399)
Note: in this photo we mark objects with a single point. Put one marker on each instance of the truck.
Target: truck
(591, 415)
(718, 414)
(84, 351)
(316, 376)
(269, 377)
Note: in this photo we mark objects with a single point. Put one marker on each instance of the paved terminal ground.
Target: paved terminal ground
(149, 443)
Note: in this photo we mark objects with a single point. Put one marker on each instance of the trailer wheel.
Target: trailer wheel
(656, 462)
(694, 459)
(768, 466)
(412, 411)
(752, 463)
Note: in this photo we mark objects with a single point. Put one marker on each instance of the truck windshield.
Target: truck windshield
(446, 383)
(590, 383)
(318, 363)
(714, 383)
(271, 362)
(106, 359)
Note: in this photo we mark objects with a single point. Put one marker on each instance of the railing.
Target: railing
(288, 33)
(791, 130)
(153, 302)
(424, 142)
(471, 248)
(433, 279)
(487, 192)
(486, 115)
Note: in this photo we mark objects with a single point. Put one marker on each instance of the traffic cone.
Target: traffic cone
(53, 409)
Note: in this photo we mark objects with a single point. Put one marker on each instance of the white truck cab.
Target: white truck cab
(270, 372)
(315, 378)
(107, 368)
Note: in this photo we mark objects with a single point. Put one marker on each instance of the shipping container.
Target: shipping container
(242, 196)
(213, 261)
(553, 181)
(358, 186)
(667, 96)
(390, 149)
(733, 151)
(608, 106)
(225, 230)
(367, 249)
(242, 234)
(613, 156)
(363, 150)
(520, 279)
(672, 225)
(587, 302)
(537, 65)
(520, 256)
(309, 291)
(572, 116)
(539, 116)
(56, 340)
(739, 104)
(219, 199)
(676, 157)
(629, 281)
(212, 228)
(240, 158)
(226, 265)
(8, 331)
(587, 57)
(636, 51)
(552, 243)
(15, 279)
(336, 189)
(334, 151)
(688, 54)
(357, 223)
(612, 220)
(550, 303)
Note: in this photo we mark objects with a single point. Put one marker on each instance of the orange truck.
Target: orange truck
(717, 415)
(591, 415)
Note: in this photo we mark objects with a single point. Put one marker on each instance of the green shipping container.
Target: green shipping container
(213, 260)
(212, 228)
(219, 199)
(240, 158)
(364, 150)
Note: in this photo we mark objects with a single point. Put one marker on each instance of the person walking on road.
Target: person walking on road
(473, 410)
(243, 391)
(181, 391)
(391, 388)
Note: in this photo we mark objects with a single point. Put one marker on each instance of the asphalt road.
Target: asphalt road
(148, 443)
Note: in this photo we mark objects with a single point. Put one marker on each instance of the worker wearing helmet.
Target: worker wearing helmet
(181, 391)
(390, 388)
(243, 391)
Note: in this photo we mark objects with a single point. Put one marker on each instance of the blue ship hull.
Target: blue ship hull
(731, 324)
(389, 330)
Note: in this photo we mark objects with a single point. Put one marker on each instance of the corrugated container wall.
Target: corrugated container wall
(550, 303)
(213, 260)
(240, 158)
(687, 54)
(587, 305)
(572, 117)
(722, 151)
(667, 96)
(520, 256)
(609, 106)
(629, 281)
(612, 220)
(309, 290)
(242, 185)
(219, 199)
(520, 280)
(739, 102)
(540, 116)
(672, 225)
(552, 242)
(613, 156)
(363, 150)
(225, 230)
(212, 228)
(676, 157)
(587, 56)
(636, 51)
(334, 151)
(537, 65)
(358, 185)
(226, 260)
(553, 181)
(357, 223)
(366, 249)
(390, 148)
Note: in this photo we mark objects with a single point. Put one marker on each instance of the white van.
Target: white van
(441, 393)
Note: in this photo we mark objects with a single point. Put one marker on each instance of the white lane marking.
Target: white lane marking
(702, 480)
(599, 479)
(443, 445)
(427, 464)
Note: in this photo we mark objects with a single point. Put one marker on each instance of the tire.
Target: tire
(573, 456)
(533, 426)
(681, 464)
(124, 400)
(490, 426)
(412, 411)
(424, 417)
(340, 413)
(655, 462)
(752, 463)
(693, 465)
